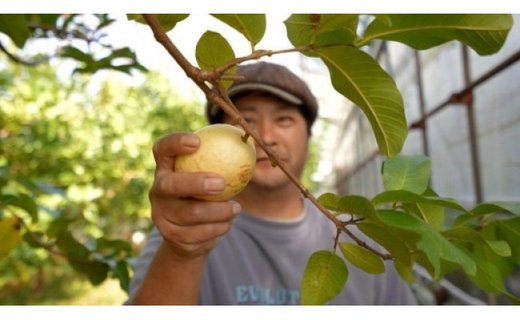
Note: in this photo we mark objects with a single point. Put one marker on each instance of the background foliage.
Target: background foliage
(83, 164)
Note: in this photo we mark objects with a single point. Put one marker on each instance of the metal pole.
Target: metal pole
(472, 128)
(422, 105)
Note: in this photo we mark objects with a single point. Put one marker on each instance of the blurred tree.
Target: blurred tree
(80, 37)
(75, 169)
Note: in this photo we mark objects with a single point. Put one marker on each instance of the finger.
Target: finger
(193, 212)
(187, 184)
(168, 147)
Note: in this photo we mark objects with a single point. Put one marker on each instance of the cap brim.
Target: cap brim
(245, 87)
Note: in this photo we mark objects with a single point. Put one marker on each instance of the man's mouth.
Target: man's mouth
(267, 160)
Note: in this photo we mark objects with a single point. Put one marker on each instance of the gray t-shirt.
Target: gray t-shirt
(261, 262)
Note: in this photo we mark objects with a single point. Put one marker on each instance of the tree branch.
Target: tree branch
(47, 246)
(220, 98)
(21, 61)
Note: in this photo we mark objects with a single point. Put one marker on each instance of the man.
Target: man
(253, 249)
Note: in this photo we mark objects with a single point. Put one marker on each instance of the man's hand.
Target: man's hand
(190, 227)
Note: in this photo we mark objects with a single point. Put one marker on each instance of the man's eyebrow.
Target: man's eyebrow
(287, 106)
(247, 108)
(281, 107)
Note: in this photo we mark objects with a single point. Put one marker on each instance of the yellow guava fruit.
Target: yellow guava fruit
(222, 150)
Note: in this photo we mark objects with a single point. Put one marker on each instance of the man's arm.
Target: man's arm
(189, 228)
(171, 281)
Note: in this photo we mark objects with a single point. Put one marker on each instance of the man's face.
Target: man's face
(283, 128)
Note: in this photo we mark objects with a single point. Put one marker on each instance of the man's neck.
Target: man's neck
(284, 204)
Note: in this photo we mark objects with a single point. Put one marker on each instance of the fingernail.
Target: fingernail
(236, 207)
(190, 140)
(214, 185)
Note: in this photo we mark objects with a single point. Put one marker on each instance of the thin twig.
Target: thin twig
(336, 239)
(257, 54)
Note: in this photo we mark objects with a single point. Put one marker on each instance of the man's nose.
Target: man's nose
(266, 132)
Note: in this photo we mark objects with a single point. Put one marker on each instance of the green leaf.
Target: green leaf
(396, 196)
(113, 249)
(362, 258)
(105, 21)
(471, 238)
(71, 247)
(45, 19)
(383, 19)
(212, 51)
(509, 230)
(77, 54)
(432, 243)
(357, 205)
(323, 279)
(116, 55)
(352, 204)
(95, 271)
(321, 29)
(252, 26)
(80, 258)
(122, 53)
(488, 277)
(405, 271)
(358, 77)
(9, 235)
(21, 201)
(485, 33)
(127, 68)
(34, 238)
(58, 226)
(120, 271)
(432, 214)
(499, 247)
(15, 26)
(400, 243)
(488, 208)
(90, 65)
(167, 21)
(329, 200)
(411, 173)
(496, 251)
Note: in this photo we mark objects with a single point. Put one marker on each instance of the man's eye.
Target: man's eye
(285, 120)
(250, 121)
